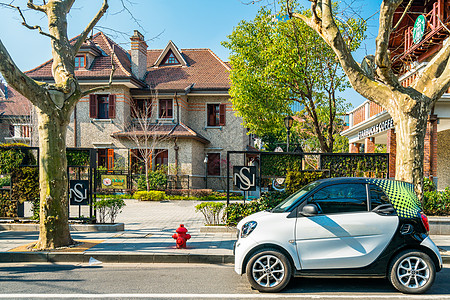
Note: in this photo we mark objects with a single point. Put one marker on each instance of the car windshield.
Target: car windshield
(283, 206)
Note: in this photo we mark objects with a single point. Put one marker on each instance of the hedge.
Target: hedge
(150, 195)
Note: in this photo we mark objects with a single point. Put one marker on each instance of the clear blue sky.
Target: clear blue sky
(189, 24)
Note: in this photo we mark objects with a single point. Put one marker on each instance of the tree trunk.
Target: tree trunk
(410, 135)
(54, 207)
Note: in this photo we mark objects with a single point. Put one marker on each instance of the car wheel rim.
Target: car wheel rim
(268, 271)
(413, 272)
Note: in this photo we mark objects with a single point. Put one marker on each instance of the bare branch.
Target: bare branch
(17, 79)
(69, 4)
(403, 15)
(125, 8)
(90, 26)
(33, 6)
(382, 57)
(24, 22)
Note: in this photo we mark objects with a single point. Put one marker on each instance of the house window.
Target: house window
(216, 114)
(23, 131)
(213, 164)
(165, 108)
(102, 106)
(105, 158)
(161, 158)
(141, 109)
(170, 59)
(80, 61)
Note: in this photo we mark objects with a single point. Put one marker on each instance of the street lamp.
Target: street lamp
(288, 122)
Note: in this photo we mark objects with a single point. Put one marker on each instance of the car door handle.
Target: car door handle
(384, 209)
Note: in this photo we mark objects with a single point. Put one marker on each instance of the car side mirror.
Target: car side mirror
(309, 210)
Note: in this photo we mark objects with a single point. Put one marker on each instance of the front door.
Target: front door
(345, 234)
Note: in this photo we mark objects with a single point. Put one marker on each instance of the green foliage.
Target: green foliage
(355, 165)
(437, 203)
(77, 158)
(279, 165)
(297, 180)
(108, 205)
(157, 180)
(211, 211)
(278, 64)
(25, 187)
(428, 185)
(237, 211)
(150, 195)
(8, 208)
(5, 181)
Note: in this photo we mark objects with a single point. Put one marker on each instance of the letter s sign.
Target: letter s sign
(244, 177)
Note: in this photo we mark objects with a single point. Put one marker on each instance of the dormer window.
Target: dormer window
(171, 59)
(80, 62)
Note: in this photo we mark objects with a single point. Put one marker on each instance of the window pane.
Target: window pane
(213, 114)
(377, 196)
(213, 165)
(103, 107)
(341, 198)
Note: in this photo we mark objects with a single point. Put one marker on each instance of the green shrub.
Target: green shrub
(77, 157)
(8, 208)
(437, 203)
(211, 211)
(237, 211)
(157, 180)
(25, 187)
(295, 180)
(428, 185)
(5, 181)
(150, 195)
(108, 205)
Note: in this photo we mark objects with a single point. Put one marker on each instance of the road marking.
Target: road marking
(215, 296)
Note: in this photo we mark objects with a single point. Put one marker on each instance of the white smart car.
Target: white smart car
(340, 227)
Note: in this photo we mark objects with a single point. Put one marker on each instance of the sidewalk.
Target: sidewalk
(149, 227)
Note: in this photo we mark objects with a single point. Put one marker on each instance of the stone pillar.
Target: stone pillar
(392, 150)
(370, 145)
(430, 148)
(354, 147)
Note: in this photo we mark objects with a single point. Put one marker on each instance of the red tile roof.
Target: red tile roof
(205, 70)
(100, 68)
(15, 105)
(164, 130)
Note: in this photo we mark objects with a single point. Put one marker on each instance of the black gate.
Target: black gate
(271, 168)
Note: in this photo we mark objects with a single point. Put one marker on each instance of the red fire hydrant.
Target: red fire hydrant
(181, 236)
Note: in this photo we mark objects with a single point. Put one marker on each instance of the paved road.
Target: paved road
(180, 281)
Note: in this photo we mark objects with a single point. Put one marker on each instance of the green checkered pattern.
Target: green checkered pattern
(402, 196)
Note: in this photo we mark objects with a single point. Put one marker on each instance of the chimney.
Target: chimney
(138, 55)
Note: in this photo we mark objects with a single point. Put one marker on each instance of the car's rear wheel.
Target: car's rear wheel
(412, 272)
(268, 270)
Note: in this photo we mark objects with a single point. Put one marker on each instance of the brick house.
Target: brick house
(171, 101)
(370, 125)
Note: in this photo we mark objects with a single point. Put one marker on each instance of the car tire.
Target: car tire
(269, 270)
(412, 272)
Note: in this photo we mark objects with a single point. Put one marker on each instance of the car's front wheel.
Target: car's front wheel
(268, 270)
(412, 272)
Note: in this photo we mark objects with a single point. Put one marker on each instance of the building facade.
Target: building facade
(413, 44)
(167, 107)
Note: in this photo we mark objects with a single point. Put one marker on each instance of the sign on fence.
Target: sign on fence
(79, 192)
(110, 181)
(244, 177)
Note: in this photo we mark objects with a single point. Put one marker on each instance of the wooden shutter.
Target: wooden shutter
(112, 106)
(222, 112)
(93, 107)
(110, 159)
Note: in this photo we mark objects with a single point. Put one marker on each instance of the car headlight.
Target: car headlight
(248, 228)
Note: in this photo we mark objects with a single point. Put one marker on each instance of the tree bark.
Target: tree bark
(54, 227)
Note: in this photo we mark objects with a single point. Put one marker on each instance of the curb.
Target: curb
(54, 257)
(59, 257)
(72, 227)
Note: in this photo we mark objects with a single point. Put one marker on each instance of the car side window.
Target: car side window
(340, 198)
(377, 196)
